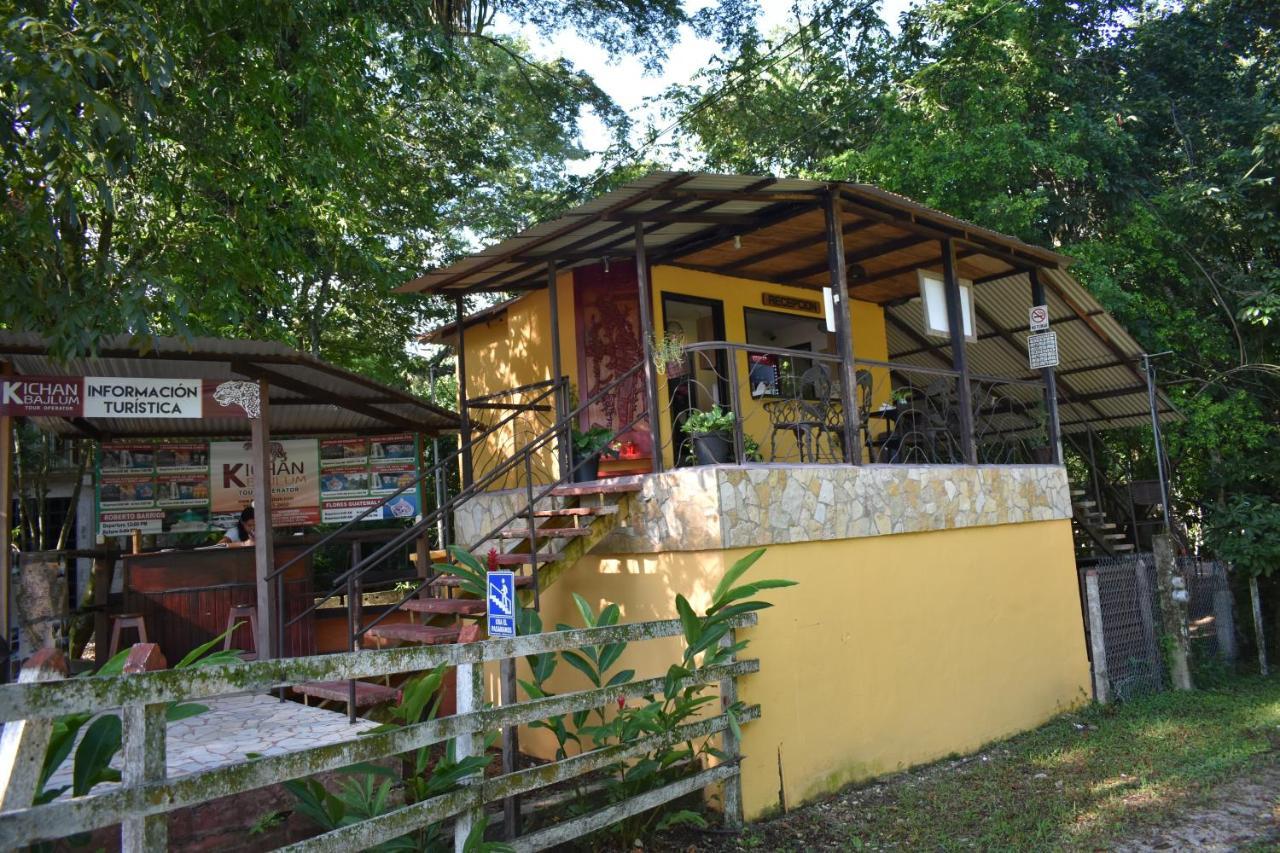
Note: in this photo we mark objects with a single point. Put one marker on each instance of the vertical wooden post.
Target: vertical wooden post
(843, 310)
(731, 746)
(1038, 297)
(143, 756)
(1173, 611)
(646, 332)
(24, 742)
(265, 643)
(1259, 635)
(560, 407)
(103, 569)
(1097, 639)
(464, 417)
(510, 750)
(470, 688)
(959, 357)
(6, 523)
(135, 542)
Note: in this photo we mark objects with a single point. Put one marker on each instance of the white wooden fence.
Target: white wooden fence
(145, 796)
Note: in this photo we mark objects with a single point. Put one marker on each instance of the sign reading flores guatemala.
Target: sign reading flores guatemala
(126, 397)
(502, 604)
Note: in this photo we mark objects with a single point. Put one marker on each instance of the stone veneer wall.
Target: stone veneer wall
(728, 506)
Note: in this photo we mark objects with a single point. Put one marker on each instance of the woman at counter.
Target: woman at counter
(242, 532)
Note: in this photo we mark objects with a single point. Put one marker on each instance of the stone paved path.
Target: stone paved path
(236, 725)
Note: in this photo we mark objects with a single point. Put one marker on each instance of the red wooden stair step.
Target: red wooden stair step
(404, 632)
(523, 558)
(544, 532)
(366, 694)
(453, 581)
(600, 487)
(444, 605)
(571, 511)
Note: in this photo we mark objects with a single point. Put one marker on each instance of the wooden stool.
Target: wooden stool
(239, 613)
(126, 620)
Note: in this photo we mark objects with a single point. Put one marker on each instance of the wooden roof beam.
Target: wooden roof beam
(796, 245)
(289, 383)
(870, 253)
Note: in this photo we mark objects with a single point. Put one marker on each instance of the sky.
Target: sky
(625, 80)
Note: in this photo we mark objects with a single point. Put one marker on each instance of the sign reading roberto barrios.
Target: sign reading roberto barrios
(125, 397)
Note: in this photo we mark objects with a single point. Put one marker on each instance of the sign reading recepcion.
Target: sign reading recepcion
(502, 604)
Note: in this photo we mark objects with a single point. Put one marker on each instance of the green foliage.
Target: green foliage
(1245, 531)
(369, 791)
(104, 736)
(714, 419)
(592, 442)
(468, 569)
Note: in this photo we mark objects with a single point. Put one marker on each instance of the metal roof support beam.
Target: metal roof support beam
(795, 245)
(646, 331)
(959, 358)
(844, 327)
(280, 380)
(464, 434)
(1050, 382)
(266, 643)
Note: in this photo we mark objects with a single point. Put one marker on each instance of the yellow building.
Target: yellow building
(883, 435)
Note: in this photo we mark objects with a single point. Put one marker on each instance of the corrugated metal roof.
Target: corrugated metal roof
(308, 395)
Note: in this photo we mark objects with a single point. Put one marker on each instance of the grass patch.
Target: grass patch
(1077, 782)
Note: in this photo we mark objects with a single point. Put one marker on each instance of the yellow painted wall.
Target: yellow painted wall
(514, 348)
(737, 294)
(892, 651)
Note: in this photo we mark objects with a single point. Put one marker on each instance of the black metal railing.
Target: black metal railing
(788, 406)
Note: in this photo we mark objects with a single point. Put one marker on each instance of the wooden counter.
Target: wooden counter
(186, 596)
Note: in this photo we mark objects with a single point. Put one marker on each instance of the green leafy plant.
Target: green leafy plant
(91, 764)
(667, 349)
(712, 420)
(470, 572)
(592, 442)
(429, 773)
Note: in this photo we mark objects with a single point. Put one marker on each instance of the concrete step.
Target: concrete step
(1126, 546)
(1084, 503)
(427, 635)
(451, 606)
(577, 511)
(1078, 493)
(1115, 536)
(336, 691)
(544, 532)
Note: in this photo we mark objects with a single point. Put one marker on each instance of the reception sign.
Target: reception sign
(126, 397)
(194, 487)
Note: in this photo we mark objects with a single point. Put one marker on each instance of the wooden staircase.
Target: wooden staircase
(561, 536)
(1096, 535)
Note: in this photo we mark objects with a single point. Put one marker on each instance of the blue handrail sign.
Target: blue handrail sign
(502, 604)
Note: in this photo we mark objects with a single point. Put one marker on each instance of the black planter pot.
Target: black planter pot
(712, 448)
(1042, 455)
(586, 470)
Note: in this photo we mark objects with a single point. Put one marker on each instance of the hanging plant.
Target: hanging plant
(667, 349)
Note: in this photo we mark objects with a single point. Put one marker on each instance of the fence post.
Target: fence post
(143, 755)
(1097, 642)
(1173, 610)
(731, 745)
(1258, 633)
(470, 688)
(1150, 637)
(23, 744)
(1224, 620)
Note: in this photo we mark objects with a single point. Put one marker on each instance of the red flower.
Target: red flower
(493, 559)
(622, 702)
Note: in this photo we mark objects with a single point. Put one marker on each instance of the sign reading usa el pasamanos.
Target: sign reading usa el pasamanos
(126, 397)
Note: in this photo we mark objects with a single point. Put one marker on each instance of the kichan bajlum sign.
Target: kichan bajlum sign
(126, 397)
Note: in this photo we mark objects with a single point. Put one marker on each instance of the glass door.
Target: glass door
(700, 380)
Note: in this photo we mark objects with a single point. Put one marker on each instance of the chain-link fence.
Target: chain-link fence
(1127, 616)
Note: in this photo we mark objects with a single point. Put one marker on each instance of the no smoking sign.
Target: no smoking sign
(1039, 318)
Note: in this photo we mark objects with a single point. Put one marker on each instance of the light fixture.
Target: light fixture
(606, 263)
(737, 241)
(933, 296)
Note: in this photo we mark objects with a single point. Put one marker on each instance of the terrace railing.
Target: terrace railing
(146, 794)
(788, 407)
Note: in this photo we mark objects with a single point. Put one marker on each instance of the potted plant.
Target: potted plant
(712, 435)
(588, 447)
(1038, 436)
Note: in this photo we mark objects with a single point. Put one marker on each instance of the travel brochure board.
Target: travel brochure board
(359, 473)
(193, 487)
